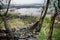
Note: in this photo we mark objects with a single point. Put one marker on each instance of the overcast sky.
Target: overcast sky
(26, 1)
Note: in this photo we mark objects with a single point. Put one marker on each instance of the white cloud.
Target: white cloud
(26, 1)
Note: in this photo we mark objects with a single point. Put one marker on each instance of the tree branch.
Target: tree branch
(7, 8)
(1, 3)
(42, 9)
(1, 8)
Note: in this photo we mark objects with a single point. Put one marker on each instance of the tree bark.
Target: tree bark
(59, 4)
(39, 23)
(7, 8)
(8, 29)
(6, 23)
(49, 37)
(42, 18)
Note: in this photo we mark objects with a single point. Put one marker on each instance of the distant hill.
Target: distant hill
(35, 5)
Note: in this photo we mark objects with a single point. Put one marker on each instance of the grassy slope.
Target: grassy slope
(45, 30)
(15, 21)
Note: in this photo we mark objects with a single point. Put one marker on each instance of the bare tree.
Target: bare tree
(42, 18)
(49, 37)
(6, 23)
(39, 23)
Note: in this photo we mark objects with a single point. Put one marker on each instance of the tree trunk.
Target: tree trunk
(8, 28)
(59, 4)
(49, 37)
(42, 18)
(6, 23)
(39, 23)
